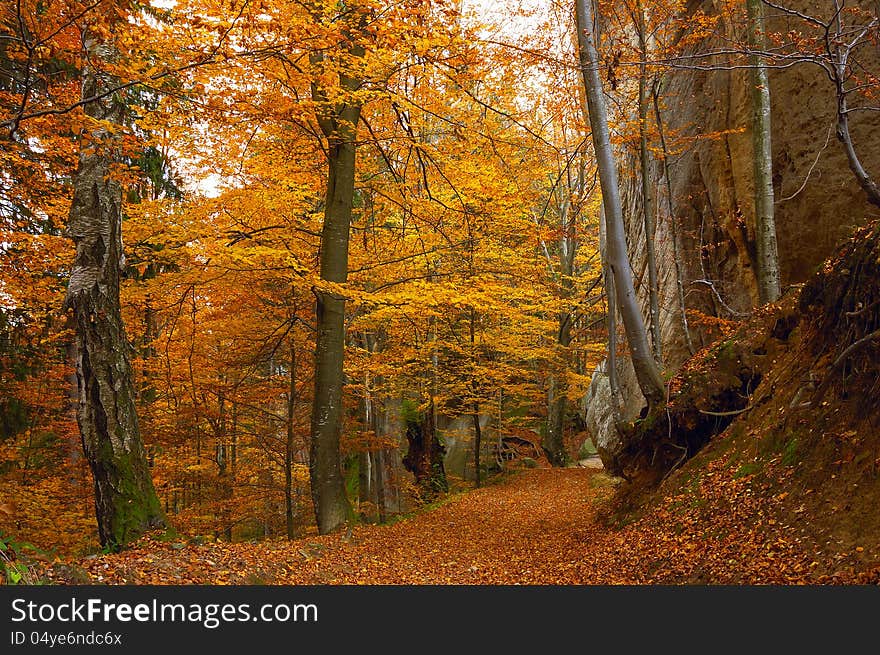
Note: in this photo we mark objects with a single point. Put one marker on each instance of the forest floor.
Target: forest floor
(530, 527)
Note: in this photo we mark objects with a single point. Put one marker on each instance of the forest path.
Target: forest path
(535, 527)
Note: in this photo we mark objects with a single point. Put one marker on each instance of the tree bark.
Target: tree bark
(866, 182)
(290, 446)
(554, 442)
(557, 405)
(338, 122)
(647, 192)
(126, 504)
(765, 222)
(647, 373)
(424, 457)
(478, 442)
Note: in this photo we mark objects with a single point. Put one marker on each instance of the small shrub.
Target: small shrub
(13, 569)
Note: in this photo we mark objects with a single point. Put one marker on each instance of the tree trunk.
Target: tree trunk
(328, 488)
(290, 446)
(378, 412)
(126, 504)
(367, 456)
(647, 373)
(73, 446)
(339, 126)
(765, 223)
(424, 457)
(478, 442)
(866, 182)
(557, 405)
(554, 442)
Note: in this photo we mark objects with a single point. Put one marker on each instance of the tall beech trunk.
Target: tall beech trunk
(332, 508)
(765, 222)
(338, 122)
(553, 443)
(367, 456)
(647, 373)
(377, 423)
(73, 446)
(126, 504)
(290, 446)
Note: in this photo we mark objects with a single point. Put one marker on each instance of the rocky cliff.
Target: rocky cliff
(705, 115)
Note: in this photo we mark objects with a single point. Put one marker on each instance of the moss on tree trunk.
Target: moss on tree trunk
(125, 501)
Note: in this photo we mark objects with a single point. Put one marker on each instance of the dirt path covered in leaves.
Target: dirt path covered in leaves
(536, 527)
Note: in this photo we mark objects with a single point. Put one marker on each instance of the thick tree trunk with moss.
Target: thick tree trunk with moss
(424, 457)
(126, 504)
(647, 372)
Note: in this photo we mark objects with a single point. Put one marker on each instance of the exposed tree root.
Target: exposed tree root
(836, 320)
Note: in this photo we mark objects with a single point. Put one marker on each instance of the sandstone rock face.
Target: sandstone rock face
(599, 419)
(705, 114)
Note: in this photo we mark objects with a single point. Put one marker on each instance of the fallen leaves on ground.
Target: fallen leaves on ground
(538, 527)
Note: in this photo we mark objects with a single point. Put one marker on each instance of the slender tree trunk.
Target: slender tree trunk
(367, 456)
(647, 373)
(557, 403)
(475, 416)
(866, 182)
(378, 471)
(290, 447)
(478, 442)
(126, 504)
(424, 457)
(765, 222)
(378, 426)
(74, 447)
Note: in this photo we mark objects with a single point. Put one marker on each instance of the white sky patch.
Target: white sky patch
(210, 186)
(507, 19)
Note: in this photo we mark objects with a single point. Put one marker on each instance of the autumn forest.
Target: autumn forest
(431, 291)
